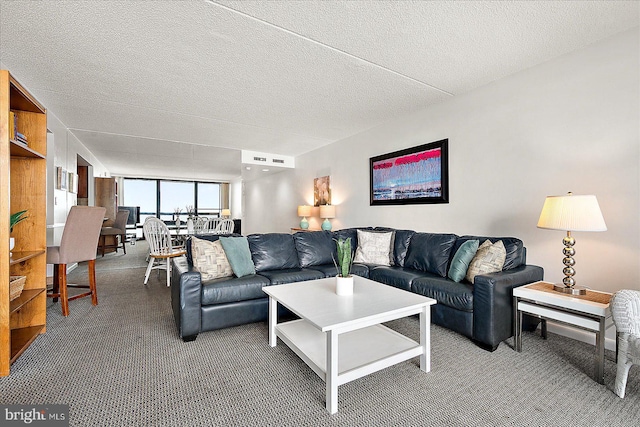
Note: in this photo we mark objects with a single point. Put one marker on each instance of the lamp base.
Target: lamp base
(326, 225)
(573, 290)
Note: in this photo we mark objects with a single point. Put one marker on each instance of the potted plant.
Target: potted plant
(344, 279)
(13, 220)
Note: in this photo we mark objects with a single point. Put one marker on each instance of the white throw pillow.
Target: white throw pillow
(489, 259)
(374, 247)
(209, 259)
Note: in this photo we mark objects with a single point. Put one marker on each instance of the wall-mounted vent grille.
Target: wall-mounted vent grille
(260, 159)
(278, 161)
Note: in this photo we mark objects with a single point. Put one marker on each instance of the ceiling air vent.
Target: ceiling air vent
(260, 159)
(278, 161)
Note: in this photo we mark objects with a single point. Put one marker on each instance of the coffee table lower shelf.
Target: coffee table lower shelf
(361, 352)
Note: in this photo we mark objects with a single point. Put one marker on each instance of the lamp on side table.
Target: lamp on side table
(304, 211)
(571, 213)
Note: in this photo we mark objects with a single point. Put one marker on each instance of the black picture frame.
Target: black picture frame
(416, 175)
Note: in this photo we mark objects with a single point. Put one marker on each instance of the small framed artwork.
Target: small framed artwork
(410, 176)
(322, 191)
(61, 178)
(73, 183)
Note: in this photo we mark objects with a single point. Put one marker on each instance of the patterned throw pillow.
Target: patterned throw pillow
(374, 247)
(489, 259)
(209, 259)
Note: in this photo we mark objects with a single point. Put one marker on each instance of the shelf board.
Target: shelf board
(26, 296)
(20, 150)
(18, 257)
(21, 338)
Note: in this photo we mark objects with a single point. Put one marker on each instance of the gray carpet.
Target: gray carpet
(122, 364)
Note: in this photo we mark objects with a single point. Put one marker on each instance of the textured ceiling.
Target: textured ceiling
(176, 89)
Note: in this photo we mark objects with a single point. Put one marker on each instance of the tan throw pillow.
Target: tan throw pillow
(374, 247)
(209, 259)
(489, 259)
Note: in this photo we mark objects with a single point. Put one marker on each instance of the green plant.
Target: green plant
(345, 257)
(16, 218)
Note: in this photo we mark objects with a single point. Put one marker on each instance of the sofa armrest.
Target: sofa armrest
(493, 303)
(186, 286)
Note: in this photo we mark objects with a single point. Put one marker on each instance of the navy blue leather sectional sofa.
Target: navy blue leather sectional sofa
(481, 311)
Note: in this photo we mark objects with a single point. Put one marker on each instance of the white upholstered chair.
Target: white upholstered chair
(625, 309)
(79, 243)
(161, 248)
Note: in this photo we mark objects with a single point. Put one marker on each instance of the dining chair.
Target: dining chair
(161, 248)
(79, 243)
(225, 227)
(118, 231)
(212, 225)
(625, 310)
(199, 224)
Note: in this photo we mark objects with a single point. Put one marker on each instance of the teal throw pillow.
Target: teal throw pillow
(237, 251)
(461, 260)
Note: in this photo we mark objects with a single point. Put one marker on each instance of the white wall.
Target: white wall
(571, 124)
(63, 149)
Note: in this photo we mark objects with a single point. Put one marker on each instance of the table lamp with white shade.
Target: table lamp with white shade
(327, 212)
(571, 213)
(304, 211)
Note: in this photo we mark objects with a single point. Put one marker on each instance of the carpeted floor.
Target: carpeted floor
(122, 364)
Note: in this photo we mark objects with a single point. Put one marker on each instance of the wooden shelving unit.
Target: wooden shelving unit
(22, 186)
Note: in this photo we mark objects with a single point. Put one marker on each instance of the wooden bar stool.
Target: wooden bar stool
(118, 231)
(79, 243)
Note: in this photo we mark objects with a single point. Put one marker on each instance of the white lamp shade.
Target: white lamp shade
(572, 213)
(304, 210)
(327, 211)
(226, 212)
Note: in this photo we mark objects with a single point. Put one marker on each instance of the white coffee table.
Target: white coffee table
(341, 337)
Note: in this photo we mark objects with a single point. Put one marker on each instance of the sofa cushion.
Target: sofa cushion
(273, 251)
(488, 259)
(446, 292)
(237, 251)
(400, 277)
(314, 247)
(374, 247)
(209, 237)
(290, 275)
(220, 291)
(461, 259)
(329, 270)
(209, 259)
(516, 254)
(401, 242)
(430, 252)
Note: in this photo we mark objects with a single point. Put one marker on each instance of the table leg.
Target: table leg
(273, 321)
(599, 374)
(331, 376)
(425, 339)
(543, 328)
(517, 326)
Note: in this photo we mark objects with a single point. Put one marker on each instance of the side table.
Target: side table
(590, 312)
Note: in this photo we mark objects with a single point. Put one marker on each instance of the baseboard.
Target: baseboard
(582, 335)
